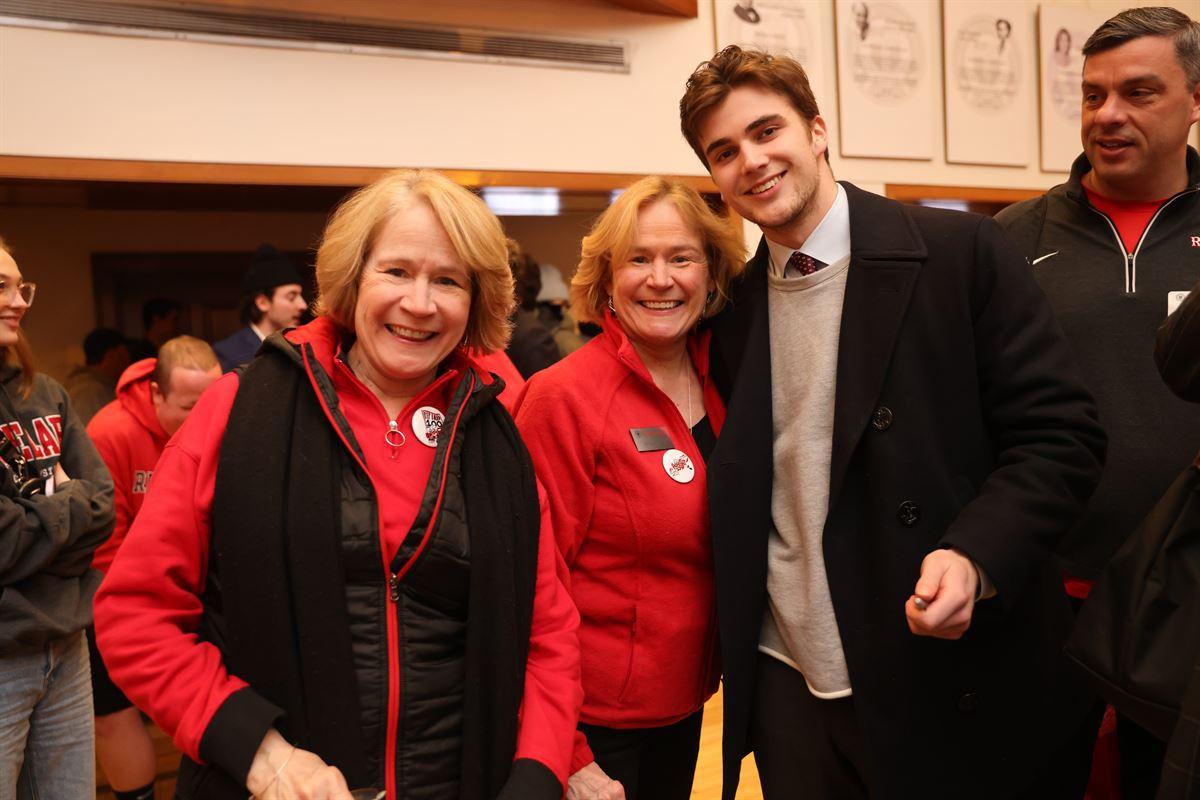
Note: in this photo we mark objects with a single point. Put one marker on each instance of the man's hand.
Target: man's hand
(590, 783)
(60, 475)
(947, 589)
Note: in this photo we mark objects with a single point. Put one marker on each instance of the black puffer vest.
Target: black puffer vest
(308, 615)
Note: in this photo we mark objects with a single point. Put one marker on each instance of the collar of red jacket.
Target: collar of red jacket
(618, 341)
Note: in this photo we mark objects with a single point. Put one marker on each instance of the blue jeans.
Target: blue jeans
(46, 734)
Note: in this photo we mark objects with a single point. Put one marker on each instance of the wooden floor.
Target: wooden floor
(706, 787)
(708, 767)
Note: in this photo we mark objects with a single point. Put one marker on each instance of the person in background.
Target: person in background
(620, 432)
(56, 507)
(343, 575)
(160, 321)
(532, 347)
(1110, 248)
(272, 300)
(154, 397)
(907, 440)
(94, 385)
(552, 309)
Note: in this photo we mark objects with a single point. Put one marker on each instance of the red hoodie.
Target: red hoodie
(130, 439)
(150, 605)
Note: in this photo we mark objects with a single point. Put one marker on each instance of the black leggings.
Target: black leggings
(654, 763)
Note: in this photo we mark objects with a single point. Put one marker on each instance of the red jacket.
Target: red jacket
(130, 439)
(635, 541)
(498, 362)
(150, 604)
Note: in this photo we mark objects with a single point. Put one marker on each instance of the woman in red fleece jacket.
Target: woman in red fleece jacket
(342, 575)
(619, 432)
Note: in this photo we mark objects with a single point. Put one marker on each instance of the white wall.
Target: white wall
(93, 96)
(68, 94)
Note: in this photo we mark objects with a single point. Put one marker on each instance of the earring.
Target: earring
(611, 307)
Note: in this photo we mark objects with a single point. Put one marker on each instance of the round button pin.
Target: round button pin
(678, 466)
(427, 424)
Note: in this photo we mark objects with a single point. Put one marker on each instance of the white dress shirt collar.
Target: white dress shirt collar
(829, 242)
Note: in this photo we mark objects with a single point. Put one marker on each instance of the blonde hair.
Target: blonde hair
(21, 351)
(186, 352)
(472, 228)
(612, 236)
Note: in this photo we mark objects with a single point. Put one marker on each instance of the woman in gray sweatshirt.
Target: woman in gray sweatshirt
(56, 507)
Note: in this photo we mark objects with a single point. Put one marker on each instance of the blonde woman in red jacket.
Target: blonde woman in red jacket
(619, 432)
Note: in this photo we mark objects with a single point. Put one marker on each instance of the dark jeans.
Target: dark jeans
(652, 763)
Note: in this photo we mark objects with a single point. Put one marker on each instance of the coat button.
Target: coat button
(968, 702)
(882, 419)
(908, 513)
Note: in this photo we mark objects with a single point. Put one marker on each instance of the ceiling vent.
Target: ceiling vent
(367, 37)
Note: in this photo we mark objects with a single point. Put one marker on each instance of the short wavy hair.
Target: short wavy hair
(714, 80)
(473, 229)
(612, 237)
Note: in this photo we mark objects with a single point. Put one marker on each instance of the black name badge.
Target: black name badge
(650, 440)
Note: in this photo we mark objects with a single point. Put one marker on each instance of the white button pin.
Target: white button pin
(678, 466)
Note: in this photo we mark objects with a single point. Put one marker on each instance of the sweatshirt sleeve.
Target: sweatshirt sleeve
(57, 533)
(553, 693)
(563, 448)
(116, 458)
(149, 608)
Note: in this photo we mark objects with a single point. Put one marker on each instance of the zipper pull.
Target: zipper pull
(394, 587)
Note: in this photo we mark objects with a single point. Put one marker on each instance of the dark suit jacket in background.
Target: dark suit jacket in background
(960, 421)
(237, 348)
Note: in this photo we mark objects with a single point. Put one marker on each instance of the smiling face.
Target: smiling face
(12, 306)
(660, 286)
(1137, 110)
(768, 162)
(414, 300)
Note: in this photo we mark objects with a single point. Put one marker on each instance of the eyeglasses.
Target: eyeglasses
(25, 290)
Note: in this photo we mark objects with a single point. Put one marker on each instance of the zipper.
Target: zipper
(1131, 258)
(395, 682)
(393, 576)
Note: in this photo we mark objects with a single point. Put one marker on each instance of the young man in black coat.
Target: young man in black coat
(908, 439)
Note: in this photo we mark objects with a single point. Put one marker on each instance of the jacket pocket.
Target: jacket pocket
(627, 682)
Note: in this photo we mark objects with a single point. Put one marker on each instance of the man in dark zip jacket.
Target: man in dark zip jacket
(1114, 248)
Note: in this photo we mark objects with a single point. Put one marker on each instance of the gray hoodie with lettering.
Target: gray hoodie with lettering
(47, 541)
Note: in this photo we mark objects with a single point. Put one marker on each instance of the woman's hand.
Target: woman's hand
(590, 783)
(283, 772)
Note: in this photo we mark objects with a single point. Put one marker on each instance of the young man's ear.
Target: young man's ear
(262, 301)
(156, 394)
(819, 133)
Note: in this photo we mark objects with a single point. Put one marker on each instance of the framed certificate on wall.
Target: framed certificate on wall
(886, 61)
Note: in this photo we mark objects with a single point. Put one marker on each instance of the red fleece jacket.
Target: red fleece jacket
(149, 606)
(636, 542)
(130, 439)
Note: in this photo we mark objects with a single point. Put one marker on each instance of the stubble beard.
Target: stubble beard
(787, 218)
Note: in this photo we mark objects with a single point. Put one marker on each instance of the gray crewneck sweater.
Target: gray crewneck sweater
(799, 627)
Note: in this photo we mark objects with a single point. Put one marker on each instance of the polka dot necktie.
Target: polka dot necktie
(801, 264)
